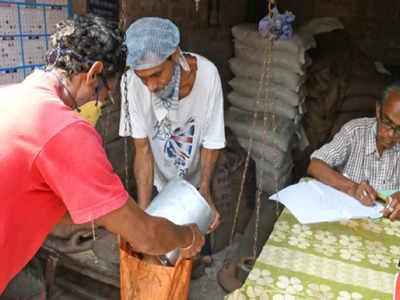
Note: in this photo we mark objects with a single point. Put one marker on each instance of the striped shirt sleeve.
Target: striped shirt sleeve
(336, 152)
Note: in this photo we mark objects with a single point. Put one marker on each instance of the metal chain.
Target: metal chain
(126, 164)
(272, 3)
(127, 125)
(122, 25)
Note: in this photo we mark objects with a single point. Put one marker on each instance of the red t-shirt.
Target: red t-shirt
(51, 161)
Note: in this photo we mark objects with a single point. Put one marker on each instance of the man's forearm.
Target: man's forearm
(146, 234)
(144, 175)
(209, 159)
(324, 173)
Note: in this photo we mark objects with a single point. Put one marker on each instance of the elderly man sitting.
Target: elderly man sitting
(363, 157)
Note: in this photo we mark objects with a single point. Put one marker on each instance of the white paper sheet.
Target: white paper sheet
(315, 202)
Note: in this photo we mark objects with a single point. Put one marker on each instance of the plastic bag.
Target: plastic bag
(141, 280)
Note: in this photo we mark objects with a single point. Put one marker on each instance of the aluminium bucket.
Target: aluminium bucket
(181, 203)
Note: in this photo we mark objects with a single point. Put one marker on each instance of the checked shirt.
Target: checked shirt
(353, 153)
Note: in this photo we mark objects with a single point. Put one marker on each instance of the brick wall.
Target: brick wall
(373, 23)
(211, 41)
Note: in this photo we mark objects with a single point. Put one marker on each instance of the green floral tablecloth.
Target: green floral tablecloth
(356, 259)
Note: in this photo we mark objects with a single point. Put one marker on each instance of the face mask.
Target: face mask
(90, 112)
(169, 94)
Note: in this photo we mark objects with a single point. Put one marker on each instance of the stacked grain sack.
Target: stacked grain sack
(344, 84)
(289, 65)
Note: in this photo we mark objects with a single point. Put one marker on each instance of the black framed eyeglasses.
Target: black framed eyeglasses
(389, 126)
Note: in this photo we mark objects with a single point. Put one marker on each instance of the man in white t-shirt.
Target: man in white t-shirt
(172, 107)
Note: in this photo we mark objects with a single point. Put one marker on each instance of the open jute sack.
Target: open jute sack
(142, 280)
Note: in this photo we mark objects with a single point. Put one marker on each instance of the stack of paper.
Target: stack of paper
(315, 202)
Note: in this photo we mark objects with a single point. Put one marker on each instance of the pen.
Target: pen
(365, 193)
(388, 206)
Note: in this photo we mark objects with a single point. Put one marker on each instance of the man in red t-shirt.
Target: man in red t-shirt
(52, 162)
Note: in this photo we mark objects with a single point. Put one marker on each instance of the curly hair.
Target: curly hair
(90, 37)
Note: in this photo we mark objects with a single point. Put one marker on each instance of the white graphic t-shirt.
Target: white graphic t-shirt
(176, 135)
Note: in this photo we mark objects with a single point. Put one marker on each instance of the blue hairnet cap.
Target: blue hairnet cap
(150, 41)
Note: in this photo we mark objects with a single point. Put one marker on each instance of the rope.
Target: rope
(267, 96)
(269, 99)
(250, 145)
(274, 129)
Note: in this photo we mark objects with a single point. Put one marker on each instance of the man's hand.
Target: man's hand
(196, 245)
(208, 160)
(205, 192)
(392, 207)
(364, 193)
(149, 234)
(217, 219)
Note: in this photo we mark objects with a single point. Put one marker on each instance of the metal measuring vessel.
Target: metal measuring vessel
(181, 203)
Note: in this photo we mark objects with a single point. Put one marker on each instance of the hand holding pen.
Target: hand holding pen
(392, 207)
(364, 193)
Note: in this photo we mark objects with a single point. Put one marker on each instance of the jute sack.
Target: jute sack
(269, 168)
(225, 188)
(250, 104)
(345, 117)
(365, 87)
(359, 103)
(319, 25)
(283, 59)
(241, 122)
(281, 76)
(249, 88)
(248, 34)
(268, 181)
(258, 149)
(316, 26)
